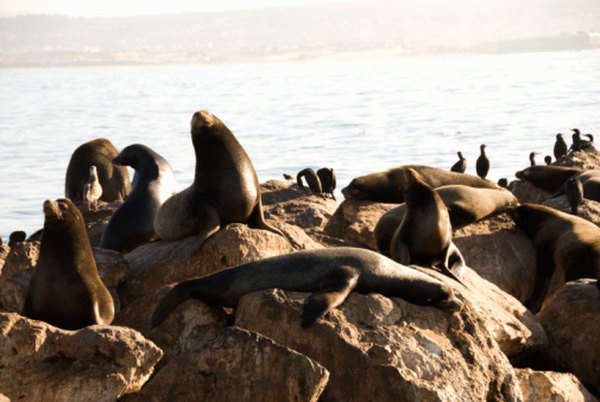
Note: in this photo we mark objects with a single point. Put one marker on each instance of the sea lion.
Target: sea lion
(153, 183)
(328, 181)
(566, 246)
(424, 236)
(482, 166)
(65, 289)
(548, 159)
(574, 193)
(15, 237)
(590, 179)
(465, 205)
(225, 187)
(92, 190)
(560, 146)
(548, 178)
(330, 274)
(388, 186)
(113, 179)
(312, 180)
(461, 165)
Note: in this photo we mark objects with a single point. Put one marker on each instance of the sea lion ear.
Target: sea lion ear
(202, 118)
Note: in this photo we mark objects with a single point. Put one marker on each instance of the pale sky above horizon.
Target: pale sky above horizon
(114, 8)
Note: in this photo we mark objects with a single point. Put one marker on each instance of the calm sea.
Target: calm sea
(355, 116)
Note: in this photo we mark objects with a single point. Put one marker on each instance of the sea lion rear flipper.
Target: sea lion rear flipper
(334, 292)
(174, 298)
(453, 264)
(256, 220)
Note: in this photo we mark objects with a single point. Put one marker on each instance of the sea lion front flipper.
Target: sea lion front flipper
(335, 290)
(399, 250)
(544, 272)
(209, 223)
(453, 264)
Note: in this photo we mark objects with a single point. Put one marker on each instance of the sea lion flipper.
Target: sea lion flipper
(399, 250)
(545, 270)
(335, 291)
(174, 298)
(453, 264)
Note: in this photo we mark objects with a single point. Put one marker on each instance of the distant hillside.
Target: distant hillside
(401, 27)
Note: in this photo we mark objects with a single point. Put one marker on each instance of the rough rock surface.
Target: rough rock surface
(589, 210)
(571, 318)
(500, 253)
(587, 159)
(164, 262)
(384, 349)
(39, 362)
(237, 365)
(355, 221)
(552, 386)
(528, 193)
(4, 250)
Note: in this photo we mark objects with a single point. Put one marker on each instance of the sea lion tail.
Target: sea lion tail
(174, 298)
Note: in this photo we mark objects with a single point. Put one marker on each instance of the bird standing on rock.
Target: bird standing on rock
(574, 193)
(532, 158)
(92, 190)
(461, 165)
(560, 146)
(483, 163)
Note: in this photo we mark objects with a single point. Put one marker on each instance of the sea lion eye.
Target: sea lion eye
(63, 207)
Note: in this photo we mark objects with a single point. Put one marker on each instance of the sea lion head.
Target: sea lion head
(62, 209)
(356, 190)
(129, 156)
(528, 217)
(202, 119)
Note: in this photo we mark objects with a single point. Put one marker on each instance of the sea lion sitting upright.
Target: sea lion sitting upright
(225, 187)
(113, 179)
(312, 180)
(424, 236)
(153, 183)
(465, 205)
(567, 247)
(547, 177)
(328, 181)
(330, 274)
(65, 289)
(388, 186)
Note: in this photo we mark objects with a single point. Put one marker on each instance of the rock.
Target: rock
(584, 159)
(355, 221)
(571, 318)
(384, 349)
(528, 193)
(552, 386)
(98, 363)
(237, 365)
(159, 263)
(20, 265)
(96, 219)
(279, 191)
(589, 209)
(4, 250)
(4, 398)
(500, 253)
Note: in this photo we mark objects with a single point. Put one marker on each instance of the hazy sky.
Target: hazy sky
(112, 8)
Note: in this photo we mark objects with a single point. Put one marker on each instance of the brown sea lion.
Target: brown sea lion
(465, 205)
(153, 183)
(424, 236)
(330, 274)
(65, 289)
(566, 246)
(389, 186)
(225, 187)
(113, 179)
(548, 178)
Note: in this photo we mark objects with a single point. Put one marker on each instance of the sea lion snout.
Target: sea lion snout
(52, 209)
(202, 118)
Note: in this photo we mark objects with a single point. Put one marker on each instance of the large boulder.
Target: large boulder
(39, 362)
(552, 386)
(377, 348)
(237, 365)
(500, 253)
(571, 318)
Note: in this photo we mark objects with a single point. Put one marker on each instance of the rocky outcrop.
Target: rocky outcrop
(500, 253)
(589, 209)
(384, 349)
(584, 159)
(237, 365)
(552, 386)
(39, 362)
(571, 318)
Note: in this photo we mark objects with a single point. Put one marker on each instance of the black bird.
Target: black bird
(483, 163)
(548, 159)
(560, 146)
(532, 158)
(16, 237)
(328, 181)
(312, 180)
(503, 182)
(574, 193)
(461, 165)
(580, 144)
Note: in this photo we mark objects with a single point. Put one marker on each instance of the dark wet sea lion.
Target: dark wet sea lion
(461, 165)
(424, 236)
(482, 166)
(113, 179)
(153, 183)
(548, 178)
(465, 205)
(328, 181)
(566, 245)
(330, 274)
(65, 289)
(574, 193)
(312, 180)
(560, 146)
(225, 187)
(388, 186)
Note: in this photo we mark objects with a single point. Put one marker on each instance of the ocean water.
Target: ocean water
(357, 116)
